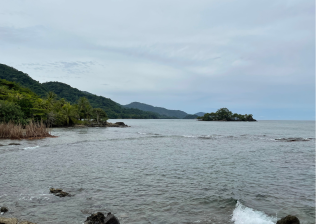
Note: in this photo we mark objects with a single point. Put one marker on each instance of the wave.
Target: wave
(245, 215)
(31, 147)
(293, 139)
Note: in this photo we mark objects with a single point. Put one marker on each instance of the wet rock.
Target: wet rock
(117, 124)
(14, 144)
(8, 220)
(290, 219)
(26, 222)
(120, 123)
(99, 218)
(13, 221)
(2, 145)
(59, 192)
(4, 209)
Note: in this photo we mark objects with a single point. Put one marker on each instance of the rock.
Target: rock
(2, 145)
(59, 192)
(121, 124)
(99, 218)
(8, 220)
(54, 191)
(4, 209)
(13, 221)
(289, 220)
(26, 222)
(14, 144)
(111, 219)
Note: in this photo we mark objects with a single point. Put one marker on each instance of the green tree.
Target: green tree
(69, 112)
(9, 111)
(99, 115)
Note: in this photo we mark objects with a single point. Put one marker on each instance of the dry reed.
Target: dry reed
(16, 131)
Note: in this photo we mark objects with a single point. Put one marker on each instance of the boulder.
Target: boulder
(4, 209)
(14, 144)
(59, 192)
(289, 220)
(8, 220)
(13, 221)
(99, 218)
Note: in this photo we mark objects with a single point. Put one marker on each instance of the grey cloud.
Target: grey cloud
(183, 54)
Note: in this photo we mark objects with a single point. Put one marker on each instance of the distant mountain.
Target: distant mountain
(14, 75)
(160, 110)
(62, 90)
(191, 116)
(113, 109)
(200, 114)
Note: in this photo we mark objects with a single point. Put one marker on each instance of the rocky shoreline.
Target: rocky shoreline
(100, 218)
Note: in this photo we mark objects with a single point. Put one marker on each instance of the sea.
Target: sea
(164, 172)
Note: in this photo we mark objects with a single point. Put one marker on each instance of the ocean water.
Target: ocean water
(164, 171)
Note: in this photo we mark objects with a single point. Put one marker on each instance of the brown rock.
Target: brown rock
(289, 220)
(59, 192)
(8, 220)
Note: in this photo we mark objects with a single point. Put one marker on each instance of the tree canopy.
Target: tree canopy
(223, 114)
(21, 105)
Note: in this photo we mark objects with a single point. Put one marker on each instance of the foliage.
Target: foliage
(223, 114)
(13, 75)
(191, 116)
(163, 112)
(20, 105)
(11, 112)
(112, 109)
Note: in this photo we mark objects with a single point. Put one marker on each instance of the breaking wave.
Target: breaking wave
(245, 215)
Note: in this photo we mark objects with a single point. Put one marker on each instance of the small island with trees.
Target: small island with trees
(224, 114)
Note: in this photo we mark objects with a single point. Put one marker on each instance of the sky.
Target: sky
(252, 57)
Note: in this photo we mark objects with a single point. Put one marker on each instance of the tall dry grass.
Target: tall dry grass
(31, 130)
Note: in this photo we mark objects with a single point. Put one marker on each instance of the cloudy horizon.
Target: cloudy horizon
(253, 57)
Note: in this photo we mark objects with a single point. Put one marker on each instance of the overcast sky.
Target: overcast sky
(251, 56)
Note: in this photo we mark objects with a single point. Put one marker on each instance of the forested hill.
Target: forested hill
(160, 110)
(14, 75)
(113, 109)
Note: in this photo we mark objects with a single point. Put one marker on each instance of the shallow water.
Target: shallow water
(164, 171)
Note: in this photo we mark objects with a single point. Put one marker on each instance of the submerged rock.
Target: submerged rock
(59, 192)
(99, 218)
(4, 209)
(290, 219)
(14, 144)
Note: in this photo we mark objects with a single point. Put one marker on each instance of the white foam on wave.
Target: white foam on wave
(189, 136)
(245, 215)
(31, 147)
(141, 133)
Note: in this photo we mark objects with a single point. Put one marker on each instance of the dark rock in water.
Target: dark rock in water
(59, 192)
(99, 218)
(289, 220)
(4, 209)
(14, 144)
(1, 145)
(121, 124)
